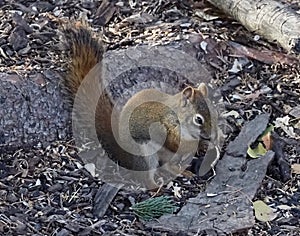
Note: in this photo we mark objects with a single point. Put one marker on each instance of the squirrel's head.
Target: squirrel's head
(196, 119)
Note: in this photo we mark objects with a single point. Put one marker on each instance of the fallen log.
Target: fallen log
(268, 18)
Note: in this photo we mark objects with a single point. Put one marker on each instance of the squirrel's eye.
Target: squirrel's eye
(198, 120)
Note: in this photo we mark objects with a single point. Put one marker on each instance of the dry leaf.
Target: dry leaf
(176, 190)
(90, 167)
(284, 207)
(263, 212)
(256, 152)
(267, 140)
(203, 45)
(266, 137)
(233, 113)
(296, 169)
(202, 14)
(283, 123)
(236, 67)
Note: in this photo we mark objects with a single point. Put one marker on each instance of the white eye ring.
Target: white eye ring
(198, 120)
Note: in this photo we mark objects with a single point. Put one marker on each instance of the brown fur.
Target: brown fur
(85, 52)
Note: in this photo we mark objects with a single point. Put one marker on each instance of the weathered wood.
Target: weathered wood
(225, 206)
(269, 18)
(103, 198)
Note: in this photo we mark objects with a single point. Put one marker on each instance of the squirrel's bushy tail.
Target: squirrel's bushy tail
(83, 50)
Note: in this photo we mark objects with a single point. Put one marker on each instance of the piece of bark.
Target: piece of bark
(225, 206)
(247, 136)
(105, 12)
(284, 166)
(103, 198)
(269, 18)
(265, 56)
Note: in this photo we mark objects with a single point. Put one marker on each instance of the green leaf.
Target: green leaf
(263, 212)
(256, 152)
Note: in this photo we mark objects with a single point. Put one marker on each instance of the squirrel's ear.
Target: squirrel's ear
(188, 94)
(203, 89)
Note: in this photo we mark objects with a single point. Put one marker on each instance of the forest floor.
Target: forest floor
(45, 190)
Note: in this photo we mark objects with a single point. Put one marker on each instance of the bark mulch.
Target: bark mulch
(45, 188)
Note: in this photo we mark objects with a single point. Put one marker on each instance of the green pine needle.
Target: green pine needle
(154, 207)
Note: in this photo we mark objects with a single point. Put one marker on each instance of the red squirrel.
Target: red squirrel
(183, 119)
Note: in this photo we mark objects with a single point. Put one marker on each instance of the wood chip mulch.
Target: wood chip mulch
(47, 190)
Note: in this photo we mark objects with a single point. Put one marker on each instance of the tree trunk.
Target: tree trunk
(269, 18)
